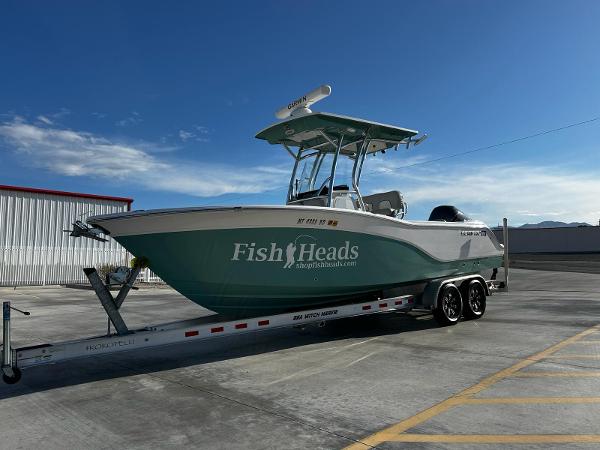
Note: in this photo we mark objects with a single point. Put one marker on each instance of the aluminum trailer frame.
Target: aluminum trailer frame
(202, 328)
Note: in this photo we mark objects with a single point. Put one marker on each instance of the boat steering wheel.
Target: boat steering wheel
(323, 185)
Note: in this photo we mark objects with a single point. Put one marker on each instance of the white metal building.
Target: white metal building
(36, 250)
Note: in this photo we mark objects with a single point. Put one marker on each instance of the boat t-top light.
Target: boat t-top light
(300, 105)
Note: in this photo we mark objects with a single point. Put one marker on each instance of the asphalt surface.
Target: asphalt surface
(329, 387)
(562, 262)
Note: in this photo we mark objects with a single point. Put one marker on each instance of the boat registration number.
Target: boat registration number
(316, 221)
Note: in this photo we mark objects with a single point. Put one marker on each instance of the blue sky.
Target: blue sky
(161, 101)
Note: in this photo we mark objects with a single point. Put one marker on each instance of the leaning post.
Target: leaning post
(505, 239)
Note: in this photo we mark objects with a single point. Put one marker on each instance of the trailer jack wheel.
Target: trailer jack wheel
(16, 376)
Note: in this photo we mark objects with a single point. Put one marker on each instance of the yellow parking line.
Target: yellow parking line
(517, 400)
(404, 425)
(497, 438)
(487, 382)
(565, 373)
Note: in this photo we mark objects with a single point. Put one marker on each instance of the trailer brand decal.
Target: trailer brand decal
(316, 315)
(107, 345)
(473, 233)
(303, 253)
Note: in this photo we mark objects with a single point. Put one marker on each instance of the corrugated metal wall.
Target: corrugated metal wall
(36, 251)
(552, 240)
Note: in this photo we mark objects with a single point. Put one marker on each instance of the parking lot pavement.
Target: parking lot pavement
(526, 375)
(508, 407)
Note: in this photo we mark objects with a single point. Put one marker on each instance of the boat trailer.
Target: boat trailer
(202, 328)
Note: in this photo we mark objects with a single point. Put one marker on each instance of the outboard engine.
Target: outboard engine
(448, 213)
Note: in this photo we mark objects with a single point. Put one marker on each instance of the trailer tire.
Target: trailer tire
(474, 300)
(449, 305)
(14, 379)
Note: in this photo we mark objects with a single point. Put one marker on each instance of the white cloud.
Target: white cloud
(489, 192)
(186, 135)
(61, 113)
(77, 153)
(131, 120)
(45, 120)
(383, 165)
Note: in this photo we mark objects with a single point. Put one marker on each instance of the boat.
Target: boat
(327, 244)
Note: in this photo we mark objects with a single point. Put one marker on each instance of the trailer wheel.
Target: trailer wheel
(448, 306)
(475, 300)
(14, 379)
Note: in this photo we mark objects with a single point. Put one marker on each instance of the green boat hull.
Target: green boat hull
(253, 271)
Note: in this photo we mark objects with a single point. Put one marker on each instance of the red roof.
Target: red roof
(64, 193)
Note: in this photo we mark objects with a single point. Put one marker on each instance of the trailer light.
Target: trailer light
(216, 330)
(383, 305)
(398, 302)
(191, 333)
(366, 307)
(262, 323)
(239, 326)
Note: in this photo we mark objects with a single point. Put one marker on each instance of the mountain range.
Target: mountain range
(554, 224)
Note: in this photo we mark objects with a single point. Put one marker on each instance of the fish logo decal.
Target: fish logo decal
(290, 250)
